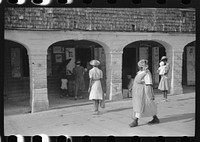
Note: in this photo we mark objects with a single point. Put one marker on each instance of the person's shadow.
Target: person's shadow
(171, 118)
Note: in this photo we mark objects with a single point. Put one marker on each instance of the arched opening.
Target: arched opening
(16, 78)
(133, 52)
(61, 59)
(188, 66)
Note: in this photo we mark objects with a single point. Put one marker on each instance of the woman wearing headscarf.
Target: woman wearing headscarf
(95, 85)
(143, 95)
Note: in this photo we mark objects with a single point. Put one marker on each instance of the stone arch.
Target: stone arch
(18, 42)
(188, 64)
(73, 43)
(155, 50)
(17, 74)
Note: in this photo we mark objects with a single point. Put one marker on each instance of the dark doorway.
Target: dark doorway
(84, 55)
(129, 65)
(188, 65)
(132, 53)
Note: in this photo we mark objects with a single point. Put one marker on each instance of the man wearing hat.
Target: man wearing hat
(78, 72)
(96, 85)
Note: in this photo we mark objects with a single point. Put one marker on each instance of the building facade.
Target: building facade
(38, 40)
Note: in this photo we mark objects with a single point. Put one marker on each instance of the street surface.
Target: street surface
(177, 118)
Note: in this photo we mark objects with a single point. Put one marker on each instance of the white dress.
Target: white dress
(96, 92)
(142, 94)
(64, 84)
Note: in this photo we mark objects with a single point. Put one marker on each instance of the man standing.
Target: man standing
(78, 71)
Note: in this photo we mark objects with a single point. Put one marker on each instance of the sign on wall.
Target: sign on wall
(155, 65)
(190, 65)
(70, 54)
(58, 58)
(143, 53)
(15, 62)
(58, 49)
(49, 68)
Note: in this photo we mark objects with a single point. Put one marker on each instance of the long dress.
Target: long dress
(79, 78)
(96, 92)
(163, 85)
(143, 106)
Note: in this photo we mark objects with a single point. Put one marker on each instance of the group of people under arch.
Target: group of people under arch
(141, 88)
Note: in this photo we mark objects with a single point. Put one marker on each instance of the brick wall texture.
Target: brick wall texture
(102, 19)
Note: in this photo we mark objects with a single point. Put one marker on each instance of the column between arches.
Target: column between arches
(38, 82)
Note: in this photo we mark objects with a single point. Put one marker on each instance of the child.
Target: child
(163, 85)
(63, 87)
(130, 84)
(161, 69)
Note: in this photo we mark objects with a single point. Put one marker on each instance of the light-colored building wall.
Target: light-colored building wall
(38, 42)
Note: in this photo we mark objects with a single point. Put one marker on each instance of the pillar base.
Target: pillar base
(116, 97)
(38, 106)
(176, 91)
(39, 101)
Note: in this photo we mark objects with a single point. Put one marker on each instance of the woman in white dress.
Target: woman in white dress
(143, 95)
(95, 85)
(163, 85)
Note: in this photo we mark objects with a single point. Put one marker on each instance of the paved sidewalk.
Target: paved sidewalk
(177, 119)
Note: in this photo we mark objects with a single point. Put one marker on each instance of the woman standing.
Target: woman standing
(163, 85)
(95, 85)
(143, 95)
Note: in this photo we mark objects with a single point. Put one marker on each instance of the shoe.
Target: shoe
(134, 123)
(154, 121)
(164, 100)
(96, 113)
(75, 98)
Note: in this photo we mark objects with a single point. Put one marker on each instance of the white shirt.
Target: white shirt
(95, 73)
(147, 78)
(64, 83)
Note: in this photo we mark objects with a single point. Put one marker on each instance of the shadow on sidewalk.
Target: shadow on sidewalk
(190, 98)
(171, 118)
(119, 109)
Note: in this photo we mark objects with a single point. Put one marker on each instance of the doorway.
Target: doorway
(84, 55)
(129, 65)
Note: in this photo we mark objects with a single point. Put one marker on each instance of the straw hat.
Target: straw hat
(94, 63)
(143, 63)
(78, 62)
(163, 58)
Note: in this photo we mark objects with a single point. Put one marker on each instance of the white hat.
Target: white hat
(143, 63)
(78, 62)
(94, 63)
(163, 58)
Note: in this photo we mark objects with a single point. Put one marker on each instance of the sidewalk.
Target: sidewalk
(177, 118)
(55, 102)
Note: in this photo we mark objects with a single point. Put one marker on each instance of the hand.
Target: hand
(89, 89)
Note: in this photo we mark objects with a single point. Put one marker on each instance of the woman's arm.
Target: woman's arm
(90, 85)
